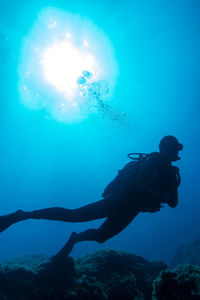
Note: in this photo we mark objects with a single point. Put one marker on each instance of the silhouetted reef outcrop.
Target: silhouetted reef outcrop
(182, 283)
(102, 275)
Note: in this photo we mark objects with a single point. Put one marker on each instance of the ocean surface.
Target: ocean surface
(49, 161)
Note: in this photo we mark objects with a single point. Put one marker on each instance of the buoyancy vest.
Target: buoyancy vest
(131, 181)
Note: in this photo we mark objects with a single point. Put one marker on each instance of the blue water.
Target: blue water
(45, 163)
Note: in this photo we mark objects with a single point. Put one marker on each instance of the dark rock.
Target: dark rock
(120, 272)
(187, 254)
(55, 273)
(28, 262)
(34, 277)
(182, 283)
(102, 275)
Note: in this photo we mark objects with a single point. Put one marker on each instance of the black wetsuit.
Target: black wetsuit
(138, 187)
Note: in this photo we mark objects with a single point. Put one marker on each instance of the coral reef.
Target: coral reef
(187, 254)
(182, 283)
(120, 273)
(102, 275)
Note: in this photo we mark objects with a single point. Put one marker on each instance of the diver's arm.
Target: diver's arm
(171, 197)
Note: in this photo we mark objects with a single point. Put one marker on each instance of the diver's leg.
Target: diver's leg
(7, 220)
(97, 210)
(93, 211)
(111, 227)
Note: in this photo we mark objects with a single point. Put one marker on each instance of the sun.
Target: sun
(60, 49)
(63, 63)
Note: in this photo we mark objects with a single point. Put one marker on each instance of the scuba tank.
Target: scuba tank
(128, 176)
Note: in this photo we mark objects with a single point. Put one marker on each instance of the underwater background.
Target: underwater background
(45, 162)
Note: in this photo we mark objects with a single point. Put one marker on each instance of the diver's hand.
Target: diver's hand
(175, 169)
(152, 208)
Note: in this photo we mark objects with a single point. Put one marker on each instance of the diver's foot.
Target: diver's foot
(8, 220)
(66, 250)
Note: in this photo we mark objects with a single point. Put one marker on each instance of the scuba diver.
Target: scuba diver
(143, 185)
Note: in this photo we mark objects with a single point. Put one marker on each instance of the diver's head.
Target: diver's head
(169, 148)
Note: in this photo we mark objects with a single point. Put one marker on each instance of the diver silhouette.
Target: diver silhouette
(143, 185)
